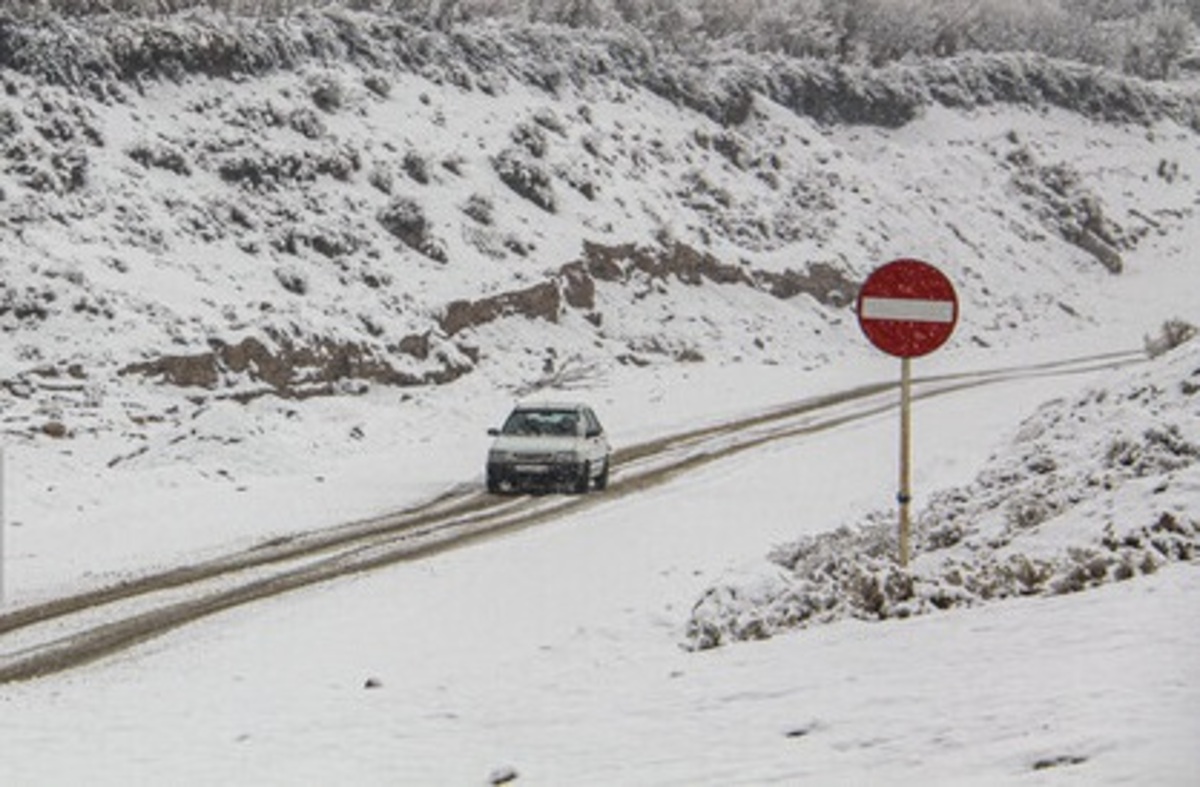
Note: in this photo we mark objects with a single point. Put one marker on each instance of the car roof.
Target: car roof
(551, 406)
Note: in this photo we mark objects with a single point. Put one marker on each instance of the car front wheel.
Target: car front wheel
(602, 479)
(584, 479)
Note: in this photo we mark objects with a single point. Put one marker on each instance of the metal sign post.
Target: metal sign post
(907, 308)
(904, 496)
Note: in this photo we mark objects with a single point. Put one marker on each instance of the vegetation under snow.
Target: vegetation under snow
(1090, 490)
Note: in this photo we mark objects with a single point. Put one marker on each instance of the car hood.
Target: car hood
(538, 444)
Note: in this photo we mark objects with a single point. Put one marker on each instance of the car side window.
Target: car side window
(592, 423)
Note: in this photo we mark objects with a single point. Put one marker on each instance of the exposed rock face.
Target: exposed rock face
(574, 285)
(287, 369)
(821, 281)
(541, 301)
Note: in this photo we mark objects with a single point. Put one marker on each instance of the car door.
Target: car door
(597, 443)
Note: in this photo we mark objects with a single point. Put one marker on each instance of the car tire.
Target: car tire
(584, 480)
(602, 479)
(493, 484)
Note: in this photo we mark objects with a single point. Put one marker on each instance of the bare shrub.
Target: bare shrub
(1173, 333)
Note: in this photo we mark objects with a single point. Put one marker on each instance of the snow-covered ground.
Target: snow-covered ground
(561, 654)
(557, 654)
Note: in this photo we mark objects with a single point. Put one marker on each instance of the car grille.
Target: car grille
(533, 458)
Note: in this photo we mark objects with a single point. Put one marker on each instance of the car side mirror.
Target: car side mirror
(594, 432)
(493, 432)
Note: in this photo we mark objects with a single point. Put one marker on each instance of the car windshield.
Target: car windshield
(542, 422)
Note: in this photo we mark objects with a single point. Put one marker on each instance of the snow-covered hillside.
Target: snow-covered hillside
(320, 203)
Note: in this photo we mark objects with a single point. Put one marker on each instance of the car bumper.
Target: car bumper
(525, 475)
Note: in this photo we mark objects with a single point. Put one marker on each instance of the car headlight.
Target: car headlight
(499, 457)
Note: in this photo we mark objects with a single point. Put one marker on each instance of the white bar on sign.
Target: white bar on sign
(908, 309)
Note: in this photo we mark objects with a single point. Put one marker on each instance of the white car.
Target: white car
(549, 446)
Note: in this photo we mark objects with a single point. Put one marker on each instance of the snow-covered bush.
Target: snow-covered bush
(1089, 491)
(416, 166)
(1146, 38)
(306, 122)
(1158, 41)
(404, 218)
(160, 156)
(480, 209)
(380, 176)
(104, 55)
(526, 177)
(264, 170)
(292, 279)
(548, 119)
(10, 124)
(327, 93)
(1061, 202)
(579, 179)
(378, 84)
(26, 304)
(530, 138)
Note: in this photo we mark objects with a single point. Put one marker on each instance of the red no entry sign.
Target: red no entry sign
(907, 308)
